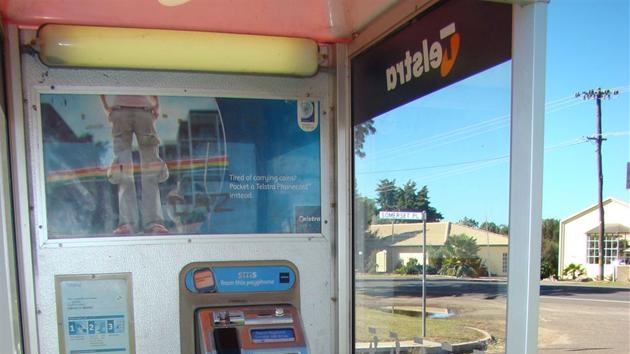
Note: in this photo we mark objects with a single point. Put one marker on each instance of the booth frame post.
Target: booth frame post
(10, 334)
(20, 189)
(526, 167)
(344, 234)
(526, 162)
(9, 304)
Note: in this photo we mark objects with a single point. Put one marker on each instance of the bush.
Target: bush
(470, 267)
(574, 271)
(458, 257)
(547, 269)
(413, 267)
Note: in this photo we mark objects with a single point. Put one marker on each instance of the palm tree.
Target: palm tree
(574, 270)
(460, 257)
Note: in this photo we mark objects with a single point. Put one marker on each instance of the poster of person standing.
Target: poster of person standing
(132, 165)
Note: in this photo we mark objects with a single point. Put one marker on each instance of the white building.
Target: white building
(579, 235)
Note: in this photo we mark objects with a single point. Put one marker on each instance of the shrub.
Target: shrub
(459, 257)
(413, 267)
(457, 267)
(574, 271)
(547, 269)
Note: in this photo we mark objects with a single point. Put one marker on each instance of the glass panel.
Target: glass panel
(138, 165)
(446, 154)
(581, 33)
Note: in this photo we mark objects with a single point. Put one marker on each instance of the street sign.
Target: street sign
(414, 215)
(400, 215)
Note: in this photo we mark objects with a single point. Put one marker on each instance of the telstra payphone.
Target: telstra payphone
(241, 308)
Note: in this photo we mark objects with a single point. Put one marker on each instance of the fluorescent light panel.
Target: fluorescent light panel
(132, 48)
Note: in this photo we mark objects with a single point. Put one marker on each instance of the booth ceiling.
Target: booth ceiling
(321, 20)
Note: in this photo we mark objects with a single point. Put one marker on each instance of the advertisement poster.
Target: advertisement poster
(95, 315)
(132, 165)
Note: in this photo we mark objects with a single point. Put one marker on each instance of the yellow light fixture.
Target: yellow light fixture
(173, 2)
(132, 48)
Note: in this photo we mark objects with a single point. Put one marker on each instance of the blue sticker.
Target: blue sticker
(254, 279)
(246, 279)
(272, 335)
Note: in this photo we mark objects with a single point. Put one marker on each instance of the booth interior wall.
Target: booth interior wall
(155, 261)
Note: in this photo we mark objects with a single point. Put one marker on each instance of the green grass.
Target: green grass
(451, 330)
(594, 284)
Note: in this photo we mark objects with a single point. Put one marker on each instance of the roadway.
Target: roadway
(395, 287)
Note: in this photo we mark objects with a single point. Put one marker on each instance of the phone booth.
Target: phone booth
(177, 175)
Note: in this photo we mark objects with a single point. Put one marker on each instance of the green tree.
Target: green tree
(365, 242)
(387, 194)
(365, 212)
(549, 248)
(468, 222)
(407, 198)
(424, 204)
(489, 226)
(486, 225)
(460, 257)
(361, 131)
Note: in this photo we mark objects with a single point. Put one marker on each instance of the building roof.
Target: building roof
(437, 232)
(593, 207)
(611, 229)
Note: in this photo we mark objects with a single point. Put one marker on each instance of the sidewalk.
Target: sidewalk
(404, 347)
(419, 346)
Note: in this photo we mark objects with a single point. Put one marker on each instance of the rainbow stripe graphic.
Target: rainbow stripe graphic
(215, 163)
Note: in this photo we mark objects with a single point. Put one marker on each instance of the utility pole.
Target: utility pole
(598, 94)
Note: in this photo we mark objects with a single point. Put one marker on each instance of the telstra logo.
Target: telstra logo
(426, 59)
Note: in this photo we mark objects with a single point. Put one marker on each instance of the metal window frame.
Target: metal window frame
(529, 31)
(21, 211)
(10, 334)
(526, 165)
(344, 245)
(38, 183)
(611, 248)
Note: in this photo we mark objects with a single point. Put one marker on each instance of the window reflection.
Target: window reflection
(445, 154)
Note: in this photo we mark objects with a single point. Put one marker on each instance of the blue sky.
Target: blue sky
(588, 47)
(456, 140)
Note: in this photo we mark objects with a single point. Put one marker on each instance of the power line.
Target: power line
(475, 129)
(465, 132)
(474, 163)
(454, 164)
